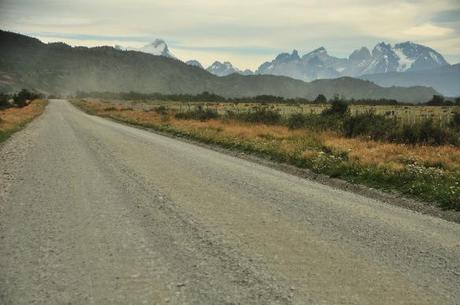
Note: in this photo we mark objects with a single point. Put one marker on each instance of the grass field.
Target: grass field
(13, 119)
(430, 173)
(407, 114)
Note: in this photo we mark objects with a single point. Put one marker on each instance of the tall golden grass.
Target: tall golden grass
(303, 142)
(13, 118)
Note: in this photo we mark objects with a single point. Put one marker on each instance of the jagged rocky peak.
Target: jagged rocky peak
(285, 57)
(381, 48)
(360, 54)
(320, 52)
(157, 47)
(159, 43)
(222, 69)
(418, 57)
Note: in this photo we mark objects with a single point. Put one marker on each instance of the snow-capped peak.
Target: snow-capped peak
(157, 47)
(381, 48)
(406, 56)
(222, 69)
(417, 57)
(159, 43)
(194, 63)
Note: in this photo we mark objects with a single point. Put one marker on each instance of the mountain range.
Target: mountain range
(403, 64)
(26, 62)
(384, 58)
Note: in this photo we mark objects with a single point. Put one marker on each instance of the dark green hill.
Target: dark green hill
(58, 68)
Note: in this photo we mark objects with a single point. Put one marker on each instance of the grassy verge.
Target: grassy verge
(429, 173)
(14, 119)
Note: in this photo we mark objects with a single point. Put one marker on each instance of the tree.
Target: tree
(4, 100)
(321, 99)
(338, 107)
(437, 100)
(20, 99)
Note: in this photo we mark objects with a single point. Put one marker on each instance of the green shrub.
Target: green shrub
(321, 99)
(263, 115)
(377, 127)
(315, 121)
(161, 110)
(4, 100)
(297, 120)
(22, 98)
(259, 115)
(425, 132)
(338, 107)
(199, 113)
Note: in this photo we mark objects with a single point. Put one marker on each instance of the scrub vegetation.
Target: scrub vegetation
(17, 110)
(419, 159)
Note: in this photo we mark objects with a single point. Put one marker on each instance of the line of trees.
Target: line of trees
(211, 97)
(437, 100)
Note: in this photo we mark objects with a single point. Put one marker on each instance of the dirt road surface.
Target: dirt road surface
(95, 212)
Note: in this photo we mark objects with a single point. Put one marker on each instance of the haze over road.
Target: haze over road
(95, 212)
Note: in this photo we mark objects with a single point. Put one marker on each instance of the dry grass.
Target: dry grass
(304, 142)
(396, 156)
(12, 119)
(404, 113)
(431, 173)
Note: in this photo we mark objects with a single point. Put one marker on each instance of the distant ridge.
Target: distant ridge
(445, 79)
(59, 68)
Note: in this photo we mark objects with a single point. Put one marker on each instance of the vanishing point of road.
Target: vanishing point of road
(96, 212)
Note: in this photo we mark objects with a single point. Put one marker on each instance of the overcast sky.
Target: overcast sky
(245, 32)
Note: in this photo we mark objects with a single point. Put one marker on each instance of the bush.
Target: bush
(377, 127)
(297, 120)
(4, 100)
(315, 121)
(22, 97)
(161, 110)
(338, 107)
(260, 115)
(425, 132)
(199, 113)
(321, 99)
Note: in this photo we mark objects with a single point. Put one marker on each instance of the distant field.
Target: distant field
(428, 172)
(407, 114)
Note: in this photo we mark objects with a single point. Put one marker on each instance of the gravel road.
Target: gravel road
(96, 212)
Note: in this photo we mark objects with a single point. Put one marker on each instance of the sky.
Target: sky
(244, 32)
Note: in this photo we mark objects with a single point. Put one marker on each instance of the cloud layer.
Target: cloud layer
(244, 32)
